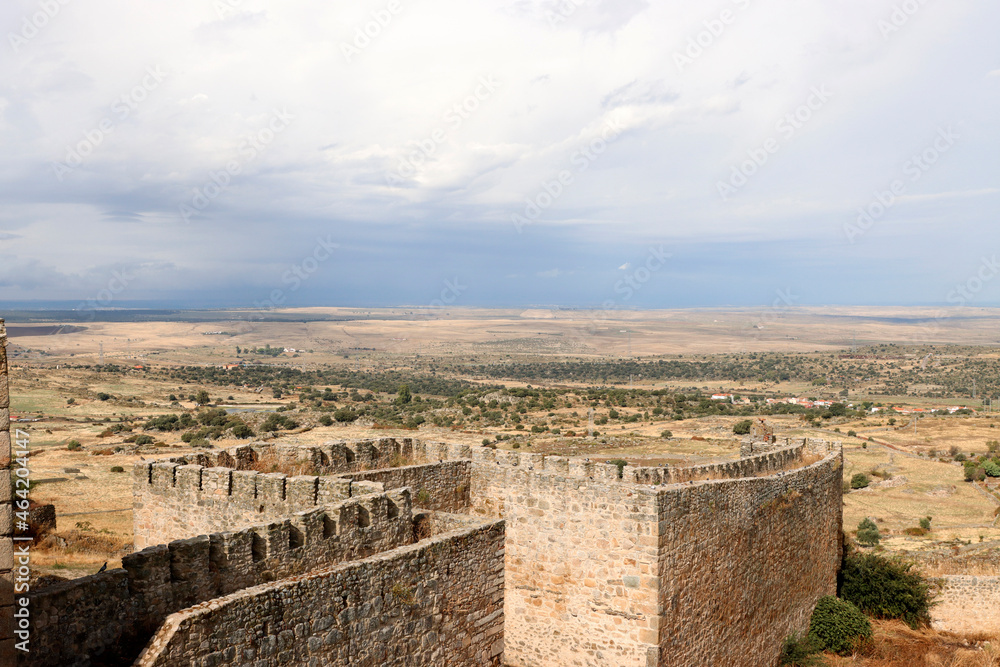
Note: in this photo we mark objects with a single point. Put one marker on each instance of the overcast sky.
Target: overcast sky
(578, 153)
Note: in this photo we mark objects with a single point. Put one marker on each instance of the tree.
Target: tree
(742, 427)
(868, 534)
(202, 398)
(404, 396)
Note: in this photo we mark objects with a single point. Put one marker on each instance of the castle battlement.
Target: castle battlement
(131, 601)
(638, 564)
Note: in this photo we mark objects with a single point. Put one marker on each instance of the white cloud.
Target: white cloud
(409, 97)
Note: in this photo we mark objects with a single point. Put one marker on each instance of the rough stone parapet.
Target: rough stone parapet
(437, 486)
(634, 567)
(433, 603)
(165, 491)
(119, 609)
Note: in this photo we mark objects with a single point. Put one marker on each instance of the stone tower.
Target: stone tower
(6, 515)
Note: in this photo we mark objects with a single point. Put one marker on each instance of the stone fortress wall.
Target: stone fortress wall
(186, 496)
(638, 566)
(437, 602)
(967, 603)
(609, 571)
(6, 514)
(102, 613)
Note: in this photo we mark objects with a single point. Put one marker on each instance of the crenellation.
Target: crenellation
(243, 486)
(310, 525)
(142, 474)
(217, 481)
(332, 489)
(597, 565)
(164, 578)
(190, 575)
(300, 491)
(163, 475)
(365, 487)
(271, 488)
(187, 478)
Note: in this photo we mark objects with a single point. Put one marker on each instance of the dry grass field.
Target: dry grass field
(93, 503)
(959, 512)
(484, 333)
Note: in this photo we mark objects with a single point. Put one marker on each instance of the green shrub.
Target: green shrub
(666, 434)
(868, 534)
(621, 463)
(860, 480)
(837, 625)
(886, 588)
(345, 415)
(73, 445)
(241, 430)
(117, 469)
(852, 434)
(144, 440)
(991, 468)
(925, 523)
(742, 427)
(326, 420)
(799, 652)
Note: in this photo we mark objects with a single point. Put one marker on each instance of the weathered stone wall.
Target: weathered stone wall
(582, 559)
(743, 561)
(967, 604)
(438, 602)
(606, 570)
(173, 501)
(328, 458)
(749, 467)
(110, 616)
(633, 567)
(437, 486)
(166, 493)
(6, 514)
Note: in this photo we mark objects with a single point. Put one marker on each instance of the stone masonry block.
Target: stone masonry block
(366, 488)
(332, 489)
(300, 491)
(271, 488)
(163, 475)
(142, 473)
(216, 481)
(188, 478)
(244, 485)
